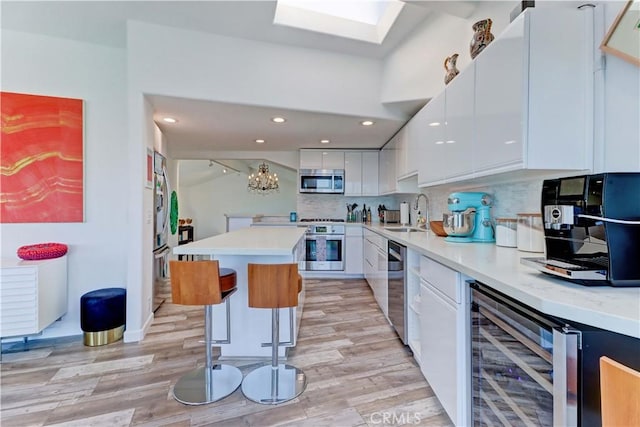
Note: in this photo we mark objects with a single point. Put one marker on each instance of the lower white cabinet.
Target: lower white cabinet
(375, 267)
(354, 250)
(33, 295)
(444, 337)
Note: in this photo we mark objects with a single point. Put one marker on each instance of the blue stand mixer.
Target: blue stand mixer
(469, 219)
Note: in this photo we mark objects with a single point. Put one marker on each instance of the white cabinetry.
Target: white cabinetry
(406, 164)
(321, 159)
(354, 250)
(523, 104)
(33, 295)
(458, 143)
(444, 337)
(375, 267)
(387, 168)
(370, 173)
(445, 129)
(413, 303)
(388, 181)
(361, 173)
(532, 97)
(430, 133)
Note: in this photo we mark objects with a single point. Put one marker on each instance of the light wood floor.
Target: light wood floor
(358, 374)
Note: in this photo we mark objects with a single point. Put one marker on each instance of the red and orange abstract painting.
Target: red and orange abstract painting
(41, 159)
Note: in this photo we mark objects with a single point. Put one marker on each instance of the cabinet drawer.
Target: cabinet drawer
(442, 278)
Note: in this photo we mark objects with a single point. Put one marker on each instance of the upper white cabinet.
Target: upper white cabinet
(361, 173)
(445, 131)
(532, 95)
(522, 104)
(321, 159)
(406, 164)
(458, 143)
(370, 173)
(430, 134)
(387, 167)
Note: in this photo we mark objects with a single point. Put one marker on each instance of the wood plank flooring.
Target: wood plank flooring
(359, 374)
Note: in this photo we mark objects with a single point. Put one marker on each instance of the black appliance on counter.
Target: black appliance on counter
(533, 369)
(592, 229)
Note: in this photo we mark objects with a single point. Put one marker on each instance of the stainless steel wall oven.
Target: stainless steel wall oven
(325, 248)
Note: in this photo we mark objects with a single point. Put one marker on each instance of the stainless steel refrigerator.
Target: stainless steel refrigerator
(162, 208)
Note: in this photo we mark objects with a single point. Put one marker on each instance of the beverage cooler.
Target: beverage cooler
(528, 368)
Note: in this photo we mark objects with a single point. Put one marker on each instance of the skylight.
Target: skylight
(367, 20)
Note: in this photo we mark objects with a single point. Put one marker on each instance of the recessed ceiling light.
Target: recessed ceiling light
(260, 141)
(278, 119)
(434, 124)
(439, 142)
(324, 141)
(451, 141)
(367, 122)
(169, 120)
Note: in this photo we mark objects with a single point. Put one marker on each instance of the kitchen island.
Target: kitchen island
(250, 327)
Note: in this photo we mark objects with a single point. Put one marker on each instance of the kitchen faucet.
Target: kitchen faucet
(426, 208)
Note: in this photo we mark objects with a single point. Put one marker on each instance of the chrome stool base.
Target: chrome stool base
(270, 386)
(206, 385)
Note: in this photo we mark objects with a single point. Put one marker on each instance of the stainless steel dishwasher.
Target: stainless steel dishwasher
(397, 293)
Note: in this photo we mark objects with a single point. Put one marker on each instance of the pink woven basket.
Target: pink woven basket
(42, 251)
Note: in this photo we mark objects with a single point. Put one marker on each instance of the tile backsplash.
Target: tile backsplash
(509, 199)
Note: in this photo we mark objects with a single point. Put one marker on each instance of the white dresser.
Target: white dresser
(33, 295)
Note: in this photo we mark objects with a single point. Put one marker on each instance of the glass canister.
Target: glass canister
(530, 233)
(506, 232)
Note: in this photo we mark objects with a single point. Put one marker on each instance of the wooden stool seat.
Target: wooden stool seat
(228, 279)
(619, 394)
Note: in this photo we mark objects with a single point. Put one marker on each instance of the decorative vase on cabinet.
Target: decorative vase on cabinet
(482, 36)
(450, 67)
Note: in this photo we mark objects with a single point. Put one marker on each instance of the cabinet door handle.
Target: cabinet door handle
(565, 376)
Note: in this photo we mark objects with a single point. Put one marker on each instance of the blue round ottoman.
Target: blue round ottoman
(103, 315)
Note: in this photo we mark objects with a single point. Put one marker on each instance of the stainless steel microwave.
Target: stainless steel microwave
(322, 181)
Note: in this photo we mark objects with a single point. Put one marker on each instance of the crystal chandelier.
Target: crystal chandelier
(263, 182)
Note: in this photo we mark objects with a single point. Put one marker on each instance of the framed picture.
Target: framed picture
(42, 158)
(623, 38)
(149, 177)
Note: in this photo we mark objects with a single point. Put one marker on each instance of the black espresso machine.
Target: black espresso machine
(592, 229)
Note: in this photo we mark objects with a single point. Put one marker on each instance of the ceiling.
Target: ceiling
(203, 124)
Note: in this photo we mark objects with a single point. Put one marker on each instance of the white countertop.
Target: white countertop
(612, 308)
(246, 241)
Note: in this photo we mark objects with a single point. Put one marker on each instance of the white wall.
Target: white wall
(622, 107)
(208, 202)
(415, 69)
(97, 247)
(173, 62)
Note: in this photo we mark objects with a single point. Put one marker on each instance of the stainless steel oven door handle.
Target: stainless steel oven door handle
(565, 376)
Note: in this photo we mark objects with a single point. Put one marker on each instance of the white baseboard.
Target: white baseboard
(138, 334)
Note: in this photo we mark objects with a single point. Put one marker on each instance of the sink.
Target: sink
(404, 229)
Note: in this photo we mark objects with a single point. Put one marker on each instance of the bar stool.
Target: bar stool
(204, 283)
(274, 286)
